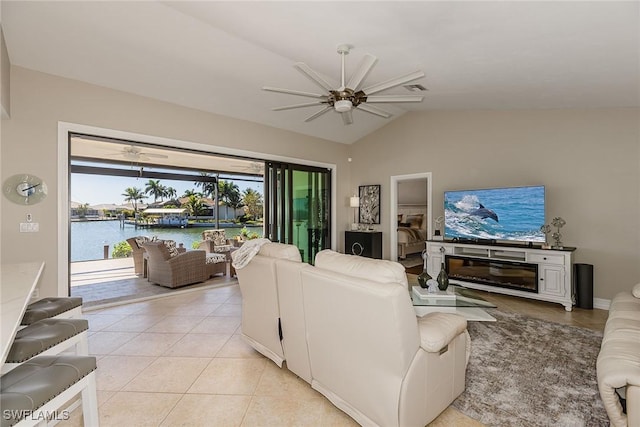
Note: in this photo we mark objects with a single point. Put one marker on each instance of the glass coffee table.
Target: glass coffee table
(456, 299)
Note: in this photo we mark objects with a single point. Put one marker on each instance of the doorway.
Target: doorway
(122, 191)
(63, 182)
(411, 209)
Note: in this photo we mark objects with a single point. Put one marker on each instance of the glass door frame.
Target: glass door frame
(280, 210)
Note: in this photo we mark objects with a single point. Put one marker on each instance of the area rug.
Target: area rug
(532, 373)
(412, 260)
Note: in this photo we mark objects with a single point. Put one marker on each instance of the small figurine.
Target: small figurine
(432, 286)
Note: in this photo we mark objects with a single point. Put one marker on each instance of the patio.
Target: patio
(106, 282)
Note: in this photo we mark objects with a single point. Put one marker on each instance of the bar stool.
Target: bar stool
(47, 337)
(37, 389)
(52, 307)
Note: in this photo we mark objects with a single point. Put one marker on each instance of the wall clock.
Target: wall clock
(24, 189)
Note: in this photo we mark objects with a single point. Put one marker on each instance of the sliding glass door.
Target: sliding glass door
(297, 207)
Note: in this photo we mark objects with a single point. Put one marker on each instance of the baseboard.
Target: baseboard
(601, 303)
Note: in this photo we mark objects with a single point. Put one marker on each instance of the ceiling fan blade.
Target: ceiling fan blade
(393, 83)
(319, 113)
(373, 110)
(394, 98)
(347, 117)
(315, 77)
(365, 67)
(290, 107)
(293, 92)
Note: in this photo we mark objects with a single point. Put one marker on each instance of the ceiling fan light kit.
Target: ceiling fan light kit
(349, 96)
(342, 105)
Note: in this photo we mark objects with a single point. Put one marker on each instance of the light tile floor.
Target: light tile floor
(180, 361)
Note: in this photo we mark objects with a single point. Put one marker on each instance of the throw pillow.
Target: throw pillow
(171, 247)
(636, 291)
(140, 240)
(217, 236)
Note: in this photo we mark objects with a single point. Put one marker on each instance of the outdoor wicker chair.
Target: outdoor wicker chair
(175, 269)
(137, 252)
(215, 241)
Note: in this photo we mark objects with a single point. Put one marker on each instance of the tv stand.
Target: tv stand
(553, 268)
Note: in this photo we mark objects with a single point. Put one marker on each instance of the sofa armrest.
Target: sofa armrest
(437, 330)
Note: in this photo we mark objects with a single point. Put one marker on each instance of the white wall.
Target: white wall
(5, 79)
(29, 144)
(588, 160)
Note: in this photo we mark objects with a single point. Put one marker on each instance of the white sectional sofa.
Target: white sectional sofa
(347, 326)
(618, 365)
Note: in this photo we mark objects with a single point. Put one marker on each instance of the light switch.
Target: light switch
(29, 227)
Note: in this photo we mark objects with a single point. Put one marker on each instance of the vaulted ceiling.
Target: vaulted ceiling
(217, 55)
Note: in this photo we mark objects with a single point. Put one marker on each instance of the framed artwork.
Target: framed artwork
(369, 212)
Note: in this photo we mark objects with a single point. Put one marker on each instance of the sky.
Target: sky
(99, 189)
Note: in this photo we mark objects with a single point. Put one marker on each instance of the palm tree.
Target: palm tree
(194, 206)
(235, 202)
(134, 195)
(228, 191)
(189, 193)
(170, 192)
(253, 204)
(156, 189)
(208, 187)
(83, 209)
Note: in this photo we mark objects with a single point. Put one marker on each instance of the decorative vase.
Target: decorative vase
(443, 279)
(558, 223)
(424, 276)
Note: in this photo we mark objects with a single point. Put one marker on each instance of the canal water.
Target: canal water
(88, 238)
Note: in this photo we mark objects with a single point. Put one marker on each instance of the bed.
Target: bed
(412, 234)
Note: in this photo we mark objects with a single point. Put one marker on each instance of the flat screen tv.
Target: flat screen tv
(513, 213)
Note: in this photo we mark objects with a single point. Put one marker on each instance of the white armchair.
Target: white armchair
(368, 352)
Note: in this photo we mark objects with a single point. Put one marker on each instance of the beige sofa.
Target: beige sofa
(618, 364)
(347, 326)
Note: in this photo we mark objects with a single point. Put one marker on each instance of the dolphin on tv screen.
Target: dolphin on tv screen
(483, 213)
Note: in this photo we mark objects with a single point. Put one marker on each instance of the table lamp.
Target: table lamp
(354, 202)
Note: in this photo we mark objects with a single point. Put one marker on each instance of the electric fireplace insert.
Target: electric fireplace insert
(504, 274)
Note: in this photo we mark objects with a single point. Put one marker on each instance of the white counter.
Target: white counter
(17, 282)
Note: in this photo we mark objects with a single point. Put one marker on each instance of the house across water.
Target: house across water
(166, 217)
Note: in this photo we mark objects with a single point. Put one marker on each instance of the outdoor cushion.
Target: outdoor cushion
(217, 236)
(171, 247)
(216, 258)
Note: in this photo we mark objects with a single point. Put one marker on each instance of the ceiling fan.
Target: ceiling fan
(350, 95)
(134, 154)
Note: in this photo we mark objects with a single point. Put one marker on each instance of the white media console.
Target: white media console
(546, 273)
